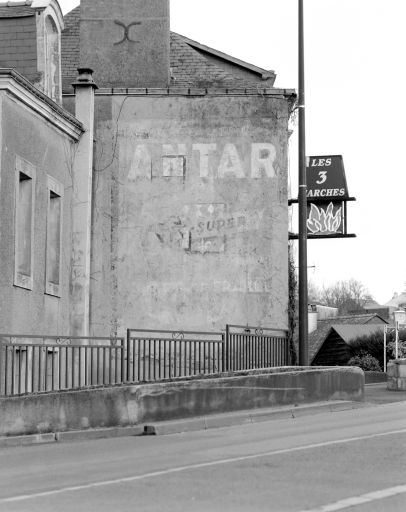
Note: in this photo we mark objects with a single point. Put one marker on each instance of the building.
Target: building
(330, 343)
(171, 174)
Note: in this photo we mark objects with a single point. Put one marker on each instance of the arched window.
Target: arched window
(52, 59)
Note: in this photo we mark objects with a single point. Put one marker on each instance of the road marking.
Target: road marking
(360, 500)
(169, 471)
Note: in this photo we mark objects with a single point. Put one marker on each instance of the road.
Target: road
(348, 460)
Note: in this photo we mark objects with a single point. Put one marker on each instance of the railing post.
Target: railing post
(1, 368)
(227, 349)
(127, 377)
(122, 361)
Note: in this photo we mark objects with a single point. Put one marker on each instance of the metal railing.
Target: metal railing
(158, 355)
(34, 364)
(255, 347)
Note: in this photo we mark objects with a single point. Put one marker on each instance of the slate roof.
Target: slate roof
(317, 337)
(16, 11)
(350, 333)
(189, 67)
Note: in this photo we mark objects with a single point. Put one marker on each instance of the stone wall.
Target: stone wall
(396, 372)
(136, 405)
(190, 224)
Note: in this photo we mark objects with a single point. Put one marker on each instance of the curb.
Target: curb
(247, 417)
(184, 425)
(100, 433)
(29, 440)
(73, 435)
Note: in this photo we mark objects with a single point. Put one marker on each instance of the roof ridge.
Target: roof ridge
(265, 73)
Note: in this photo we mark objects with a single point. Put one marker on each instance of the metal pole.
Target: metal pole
(303, 313)
(397, 341)
(385, 330)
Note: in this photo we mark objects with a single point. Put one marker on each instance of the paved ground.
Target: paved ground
(345, 460)
(379, 394)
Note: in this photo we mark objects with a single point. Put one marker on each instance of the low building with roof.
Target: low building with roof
(330, 343)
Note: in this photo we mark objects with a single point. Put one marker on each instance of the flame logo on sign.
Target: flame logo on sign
(324, 221)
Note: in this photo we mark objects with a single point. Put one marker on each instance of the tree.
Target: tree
(347, 296)
(292, 308)
(313, 293)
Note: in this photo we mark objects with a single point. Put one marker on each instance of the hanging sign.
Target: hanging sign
(326, 178)
(327, 196)
(325, 218)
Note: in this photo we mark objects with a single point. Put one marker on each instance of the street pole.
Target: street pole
(303, 311)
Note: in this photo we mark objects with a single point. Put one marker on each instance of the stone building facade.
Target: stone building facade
(178, 211)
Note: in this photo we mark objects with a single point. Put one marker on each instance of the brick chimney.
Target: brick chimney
(126, 42)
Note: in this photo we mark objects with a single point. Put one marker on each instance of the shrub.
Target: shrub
(371, 344)
(391, 349)
(365, 361)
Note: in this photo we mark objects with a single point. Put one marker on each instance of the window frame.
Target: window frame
(27, 169)
(56, 188)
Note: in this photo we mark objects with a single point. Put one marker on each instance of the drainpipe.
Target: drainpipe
(82, 204)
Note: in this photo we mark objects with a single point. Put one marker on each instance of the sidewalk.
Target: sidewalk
(378, 394)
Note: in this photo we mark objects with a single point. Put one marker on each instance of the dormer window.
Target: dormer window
(49, 28)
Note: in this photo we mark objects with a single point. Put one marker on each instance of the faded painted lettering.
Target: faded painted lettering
(230, 163)
(214, 161)
(262, 160)
(205, 151)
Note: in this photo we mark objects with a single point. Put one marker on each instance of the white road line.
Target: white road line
(169, 471)
(360, 500)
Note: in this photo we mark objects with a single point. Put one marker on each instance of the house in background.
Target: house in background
(397, 303)
(330, 343)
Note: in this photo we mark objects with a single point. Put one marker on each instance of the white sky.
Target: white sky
(355, 71)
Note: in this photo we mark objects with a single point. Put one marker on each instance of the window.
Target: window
(52, 59)
(54, 232)
(24, 223)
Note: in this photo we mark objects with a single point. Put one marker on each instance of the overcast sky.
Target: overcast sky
(355, 107)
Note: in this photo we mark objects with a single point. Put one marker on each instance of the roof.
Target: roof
(317, 337)
(397, 300)
(263, 73)
(8, 10)
(351, 332)
(191, 63)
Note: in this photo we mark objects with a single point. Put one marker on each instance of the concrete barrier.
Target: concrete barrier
(396, 371)
(128, 405)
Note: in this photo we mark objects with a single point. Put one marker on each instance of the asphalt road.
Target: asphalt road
(348, 460)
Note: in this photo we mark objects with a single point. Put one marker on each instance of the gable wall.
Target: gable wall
(190, 223)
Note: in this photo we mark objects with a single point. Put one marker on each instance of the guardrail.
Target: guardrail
(155, 355)
(248, 347)
(33, 364)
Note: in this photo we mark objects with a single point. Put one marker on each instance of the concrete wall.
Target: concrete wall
(27, 135)
(134, 405)
(190, 224)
